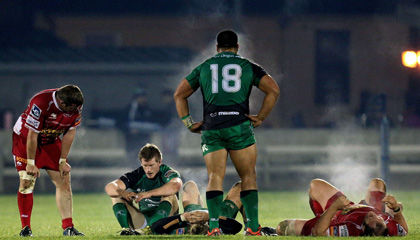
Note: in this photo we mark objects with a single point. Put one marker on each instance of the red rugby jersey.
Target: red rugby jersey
(44, 116)
(349, 223)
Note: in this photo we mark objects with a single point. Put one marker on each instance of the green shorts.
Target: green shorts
(229, 209)
(193, 207)
(231, 138)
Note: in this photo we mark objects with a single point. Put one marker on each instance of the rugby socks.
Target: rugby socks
(214, 201)
(375, 200)
(121, 213)
(25, 203)
(316, 207)
(249, 199)
(67, 222)
(162, 211)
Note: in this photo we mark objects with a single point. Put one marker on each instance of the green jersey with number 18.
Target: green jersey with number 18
(226, 82)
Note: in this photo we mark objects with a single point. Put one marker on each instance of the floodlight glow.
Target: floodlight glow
(409, 59)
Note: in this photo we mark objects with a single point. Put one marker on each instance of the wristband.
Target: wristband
(188, 121)
(61, 160)
(30, 161)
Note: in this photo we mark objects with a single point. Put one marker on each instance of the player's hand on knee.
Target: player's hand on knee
(64, 168)
(198, 216)
(32, 170)
(196, 127)
(256, 122)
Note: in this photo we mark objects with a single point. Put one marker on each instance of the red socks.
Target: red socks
(67, 222)
(375, 200)
(316, 207)
(25, 203)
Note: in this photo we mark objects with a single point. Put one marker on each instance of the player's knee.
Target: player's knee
(286, 228)
(190, 186)
(26, 186)
(377, 184)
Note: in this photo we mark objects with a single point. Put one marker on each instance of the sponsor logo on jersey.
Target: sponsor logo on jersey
(169, 173)
(36, 111)
(53, 116)
(32, 122)
(180, 231)
(343, 231)
(228, 113)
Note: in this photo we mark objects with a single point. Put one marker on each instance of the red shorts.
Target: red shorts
(47, 156)
(307, 228)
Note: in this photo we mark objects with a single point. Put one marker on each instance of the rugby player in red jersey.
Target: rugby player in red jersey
(335, 215)
(42, 137)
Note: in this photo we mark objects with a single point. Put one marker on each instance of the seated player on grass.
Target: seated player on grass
(145, 195)
(335, 215)
(195, 218)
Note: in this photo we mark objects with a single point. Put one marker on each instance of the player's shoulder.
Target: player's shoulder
(167, 170)
(43, 96)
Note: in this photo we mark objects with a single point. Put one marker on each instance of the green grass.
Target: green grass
(93, 215)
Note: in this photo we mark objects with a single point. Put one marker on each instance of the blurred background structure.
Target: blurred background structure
(338, 64)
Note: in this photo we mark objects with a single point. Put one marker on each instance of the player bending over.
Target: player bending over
(195, 218)
(145, 195)
(335, 215)
(42, 137)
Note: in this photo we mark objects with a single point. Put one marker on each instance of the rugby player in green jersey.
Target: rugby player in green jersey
(225, 81)
(145, 195)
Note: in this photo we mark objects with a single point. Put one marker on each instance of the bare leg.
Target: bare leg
(244, 161)
(191, 194)
(234, 194)
(375, 193)
(290, 227)
(321, 191)
(63, 193)
(216, 168)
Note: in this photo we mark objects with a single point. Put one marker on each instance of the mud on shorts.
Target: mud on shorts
(231, 138)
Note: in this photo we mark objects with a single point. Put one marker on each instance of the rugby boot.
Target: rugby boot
(26, 232)
(71, 231)
(129, 231)
(268, 231)
(214, 232)
(249, 232)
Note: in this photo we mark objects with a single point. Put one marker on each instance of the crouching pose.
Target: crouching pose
(377, 215)
(145, 195)
(195, 218)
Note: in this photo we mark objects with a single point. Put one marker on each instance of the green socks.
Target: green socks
(249, 199)
(121, 213)
(214, 201)
(162, 211)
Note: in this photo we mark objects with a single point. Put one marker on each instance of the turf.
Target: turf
(93, 216)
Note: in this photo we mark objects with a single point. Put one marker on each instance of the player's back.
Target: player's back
(226, 81)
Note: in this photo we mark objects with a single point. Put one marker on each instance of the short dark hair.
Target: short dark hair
(149, 151)
(70, 94)
(227, 39)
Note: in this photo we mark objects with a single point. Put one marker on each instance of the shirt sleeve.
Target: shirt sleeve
(194, 77)
(36, 115)
(259, 72)
(130, 179)
(168, 174)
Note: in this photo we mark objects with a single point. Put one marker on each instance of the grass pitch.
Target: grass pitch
(93, 216)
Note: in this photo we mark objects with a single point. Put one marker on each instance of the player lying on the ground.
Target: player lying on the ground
(195, 218)
(335, 215)
(145, 195)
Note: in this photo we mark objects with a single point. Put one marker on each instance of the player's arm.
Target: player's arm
(395, 208)
(66, 143)
(324, 221)
(272, 91)
(182, 92)
(31, 146)
(168, 189)
(117, 189)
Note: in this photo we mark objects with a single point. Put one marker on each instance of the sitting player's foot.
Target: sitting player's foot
(129, 231)
(26, 232)
(249, 232)
(71, 231)
(268, 231)
(215, 232)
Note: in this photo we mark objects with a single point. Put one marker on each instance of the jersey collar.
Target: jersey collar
(55, 101)
(228, 54)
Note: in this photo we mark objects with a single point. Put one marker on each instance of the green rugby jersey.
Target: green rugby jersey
(226, 82)
(138, 181)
